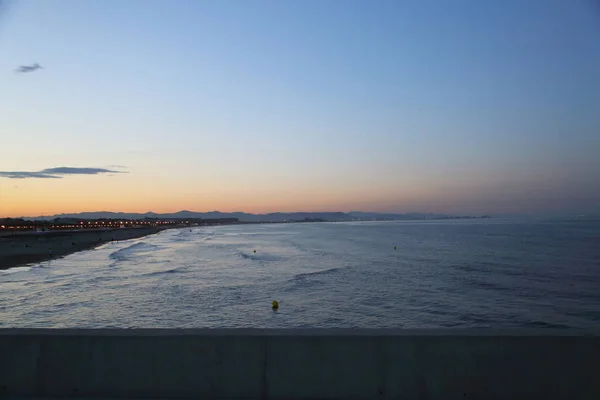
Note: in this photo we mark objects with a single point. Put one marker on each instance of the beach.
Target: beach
(35, 247)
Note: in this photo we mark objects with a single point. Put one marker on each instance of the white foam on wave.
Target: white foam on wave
(192, 235)
(134, 249)
(15, 270)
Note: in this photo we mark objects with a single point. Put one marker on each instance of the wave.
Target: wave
(102, 279)
(317, 273)
(482, 266)
(308, 280)
(191, 235)
(127, 252)
(15, 270)
(259, 257)
(261, 233)
(487, 285)
(544, 324)
(177, 270)
(500, 234)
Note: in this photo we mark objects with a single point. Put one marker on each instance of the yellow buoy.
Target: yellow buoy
(275, 305)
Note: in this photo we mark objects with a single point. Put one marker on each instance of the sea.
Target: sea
(401, 274)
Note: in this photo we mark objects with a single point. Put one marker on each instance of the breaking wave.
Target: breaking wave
(136, 248)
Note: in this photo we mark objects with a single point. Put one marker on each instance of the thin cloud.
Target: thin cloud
(75, 171)
(25, 175)
(23, 69)
(56, 173)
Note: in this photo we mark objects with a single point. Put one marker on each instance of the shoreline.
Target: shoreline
(20, 250)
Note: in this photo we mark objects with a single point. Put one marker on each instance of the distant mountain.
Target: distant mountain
(247, 217)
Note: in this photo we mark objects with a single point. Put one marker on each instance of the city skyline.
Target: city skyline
(487, 108)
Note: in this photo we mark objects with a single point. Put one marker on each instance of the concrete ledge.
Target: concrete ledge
(299, 364)
(298, 332)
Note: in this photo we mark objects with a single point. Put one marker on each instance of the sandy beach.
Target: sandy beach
(36, 247)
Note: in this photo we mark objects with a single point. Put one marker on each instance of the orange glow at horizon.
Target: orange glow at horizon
(151, 190)
(29, 197)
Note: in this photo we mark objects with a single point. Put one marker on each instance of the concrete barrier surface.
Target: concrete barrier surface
(299, 364)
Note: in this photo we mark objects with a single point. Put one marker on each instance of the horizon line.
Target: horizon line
(487, 214)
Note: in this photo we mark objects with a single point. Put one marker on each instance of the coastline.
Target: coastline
(19, 250)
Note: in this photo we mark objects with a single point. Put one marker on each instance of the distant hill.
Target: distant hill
(247, 217)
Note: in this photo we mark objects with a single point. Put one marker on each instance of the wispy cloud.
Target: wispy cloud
(56, 173)
(23, 69)
(75, 171)
(24, 175)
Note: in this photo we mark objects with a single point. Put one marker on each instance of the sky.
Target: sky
(462, 107)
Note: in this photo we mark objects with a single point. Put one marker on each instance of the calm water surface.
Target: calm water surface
(484, 273)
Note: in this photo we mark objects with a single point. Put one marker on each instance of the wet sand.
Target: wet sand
(32, 248)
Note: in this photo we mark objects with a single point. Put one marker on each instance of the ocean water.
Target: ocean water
(464, 273)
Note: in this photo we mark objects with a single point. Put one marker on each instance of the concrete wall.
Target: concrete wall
(299, 364)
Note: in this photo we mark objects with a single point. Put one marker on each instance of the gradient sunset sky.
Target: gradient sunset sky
(468, 107)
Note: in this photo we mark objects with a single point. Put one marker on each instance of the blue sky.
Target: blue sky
(446, 106)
